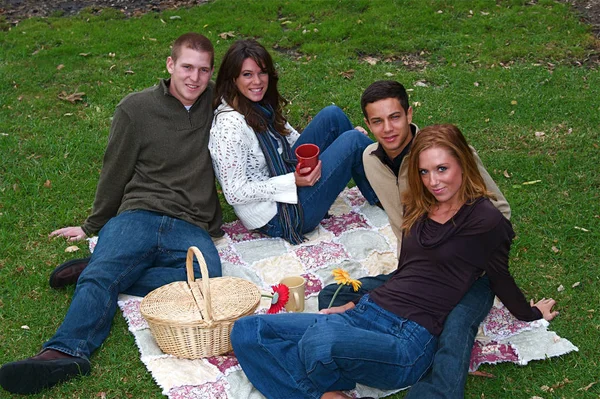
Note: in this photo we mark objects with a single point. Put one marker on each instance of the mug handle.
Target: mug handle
(296, 301)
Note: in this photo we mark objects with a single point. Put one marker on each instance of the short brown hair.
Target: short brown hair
(194, 41)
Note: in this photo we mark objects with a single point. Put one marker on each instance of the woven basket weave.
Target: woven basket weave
(193, 319)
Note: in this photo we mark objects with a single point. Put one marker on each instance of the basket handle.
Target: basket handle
(189, 266)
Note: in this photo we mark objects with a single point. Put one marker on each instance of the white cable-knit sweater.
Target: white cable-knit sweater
(242, 171)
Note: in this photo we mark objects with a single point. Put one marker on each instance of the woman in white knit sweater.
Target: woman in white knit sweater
(252, 147)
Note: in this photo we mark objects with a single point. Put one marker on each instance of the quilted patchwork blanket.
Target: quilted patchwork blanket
(358, 238)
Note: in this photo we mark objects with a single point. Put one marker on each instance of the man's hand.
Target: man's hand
(338, 309)
(72, 233)
(362, 130)
(310, 179)
(545, 306)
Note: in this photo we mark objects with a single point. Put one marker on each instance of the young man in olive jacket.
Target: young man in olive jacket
(155, 198)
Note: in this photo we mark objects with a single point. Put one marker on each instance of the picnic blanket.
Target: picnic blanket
(358, 238)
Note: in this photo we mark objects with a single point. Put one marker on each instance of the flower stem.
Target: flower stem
(334, 295)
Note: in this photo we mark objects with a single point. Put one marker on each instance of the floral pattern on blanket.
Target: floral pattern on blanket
(357, 238)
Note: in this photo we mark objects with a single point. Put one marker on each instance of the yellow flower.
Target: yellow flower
(343, 277)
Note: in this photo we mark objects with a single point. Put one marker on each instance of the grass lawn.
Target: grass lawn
(515, 76)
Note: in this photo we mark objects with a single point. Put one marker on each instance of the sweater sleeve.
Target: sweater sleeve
(117, 169)
(239, 171)
(500, 202)
(501, 281)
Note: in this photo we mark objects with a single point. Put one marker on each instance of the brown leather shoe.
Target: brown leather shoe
(46, 369)
(68, 273)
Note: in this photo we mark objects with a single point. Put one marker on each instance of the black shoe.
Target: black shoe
(50, 367)
(68, 273)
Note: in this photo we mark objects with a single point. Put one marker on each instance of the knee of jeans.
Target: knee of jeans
(241, 332)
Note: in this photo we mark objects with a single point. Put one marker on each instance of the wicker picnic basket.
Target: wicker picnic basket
(193, 319)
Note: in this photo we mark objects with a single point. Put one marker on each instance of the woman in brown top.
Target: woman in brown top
(451, 235)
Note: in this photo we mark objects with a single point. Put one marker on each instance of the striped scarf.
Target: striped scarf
(291, 217)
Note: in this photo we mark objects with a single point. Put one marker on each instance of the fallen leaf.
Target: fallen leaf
(47, 184)
(72, 248)
(175, 17)
(588, 386)
(25, 327)
(84, 54)
(101, 395)
(416, 104)
(112, 55)
(540, 134)
(576, 284)
(506, 174)
(60, 66)
(286, 22)
(582, 229)
(545, 388)
(560, 288)
(476, 84)
(479, 373)
(76, 96)
(531, 182)
(421, 83)
(389, 74)
(349, 74)
(514, 102)
(68, 114)
(226, 35)
(129, 71)
(371, 60)
(555, 250)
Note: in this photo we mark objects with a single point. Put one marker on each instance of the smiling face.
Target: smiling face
(252, 81)
(390, 125)
(441, 175)
(190, 74)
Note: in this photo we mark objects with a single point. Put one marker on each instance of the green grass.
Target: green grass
(500, 70)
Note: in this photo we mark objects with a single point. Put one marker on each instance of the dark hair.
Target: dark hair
(194, 41)
(417, 200)
(226, 89)
(382, 89)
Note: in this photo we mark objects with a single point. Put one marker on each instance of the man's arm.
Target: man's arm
(500, 202)
(117, 170)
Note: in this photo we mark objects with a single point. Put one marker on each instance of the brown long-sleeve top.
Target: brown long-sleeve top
(439, 262)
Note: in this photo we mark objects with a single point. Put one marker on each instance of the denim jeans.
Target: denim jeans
(137, 251)
(304, 355)
(448, 374)
(341, 149)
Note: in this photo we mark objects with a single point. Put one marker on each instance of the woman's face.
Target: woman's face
(441, 175)
(252, 82)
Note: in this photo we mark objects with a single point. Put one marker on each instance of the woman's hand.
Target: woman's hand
(338, 309)
(73, 233)
(310, 179)
(545, 306)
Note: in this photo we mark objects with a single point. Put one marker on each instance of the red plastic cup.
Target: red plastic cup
(308, 157)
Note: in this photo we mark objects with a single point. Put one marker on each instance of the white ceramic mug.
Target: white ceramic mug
(296, 285)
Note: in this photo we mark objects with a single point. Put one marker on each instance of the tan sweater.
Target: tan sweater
(389, 188)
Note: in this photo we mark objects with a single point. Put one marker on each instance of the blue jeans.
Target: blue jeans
(451, 363)
(137, 252)
(304, 355)
(341, 149)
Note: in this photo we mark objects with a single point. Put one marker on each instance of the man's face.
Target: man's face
(190, 74)
(390, 125)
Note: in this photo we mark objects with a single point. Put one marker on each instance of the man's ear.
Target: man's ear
(409, 115)
(367, 123)
(170, 65)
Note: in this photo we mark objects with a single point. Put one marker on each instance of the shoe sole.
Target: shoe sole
(32, 376)
(60, 268)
